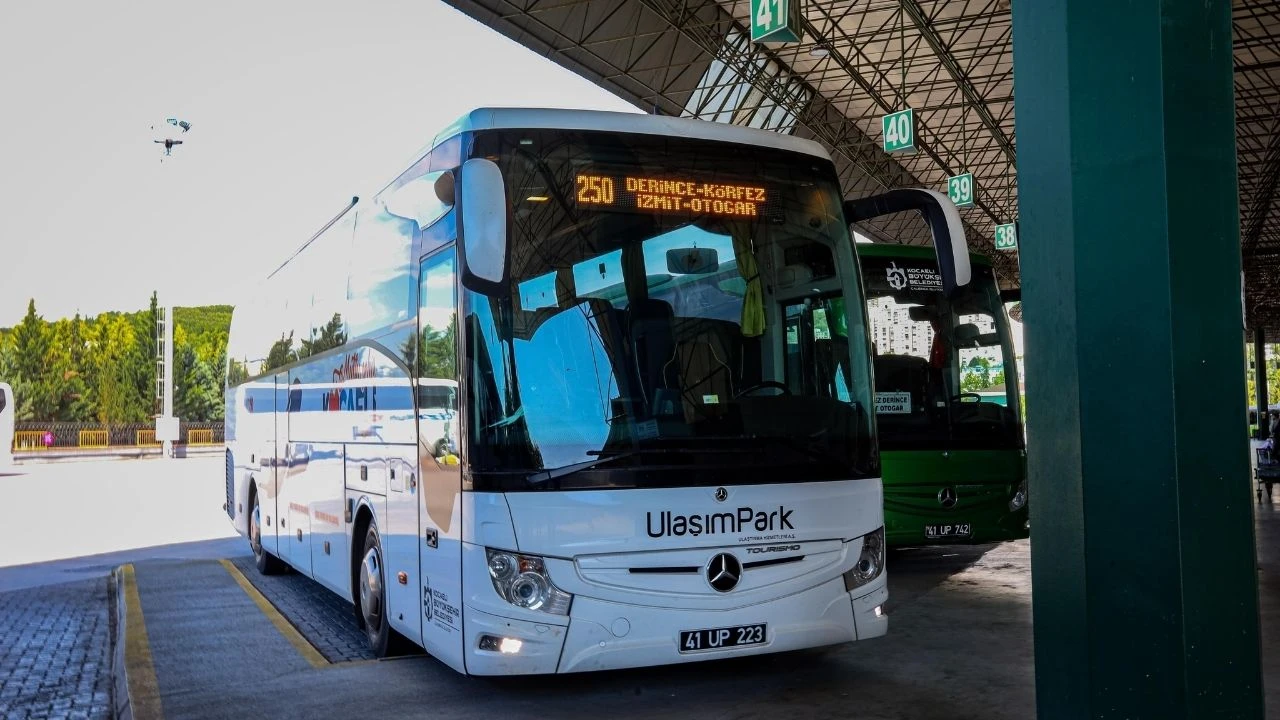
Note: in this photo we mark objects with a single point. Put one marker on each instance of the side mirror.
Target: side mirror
(692, 261)
(944, 224)
(482, 225)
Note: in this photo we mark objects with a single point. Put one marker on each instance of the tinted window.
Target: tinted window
(380, 287)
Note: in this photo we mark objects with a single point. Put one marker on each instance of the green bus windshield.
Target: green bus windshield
(945, 375)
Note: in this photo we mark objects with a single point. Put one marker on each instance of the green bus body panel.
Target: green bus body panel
(984, 481)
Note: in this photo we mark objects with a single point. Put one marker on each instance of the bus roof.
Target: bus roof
(557, 119)
(914, 252)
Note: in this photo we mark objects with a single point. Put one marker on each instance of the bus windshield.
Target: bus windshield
(645, 337)
(944, 367)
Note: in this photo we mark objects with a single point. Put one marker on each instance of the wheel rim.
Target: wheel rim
(371, 589)
(255, 532)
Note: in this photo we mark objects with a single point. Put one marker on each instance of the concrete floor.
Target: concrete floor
(959, 646)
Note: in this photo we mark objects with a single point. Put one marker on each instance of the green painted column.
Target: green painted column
(1144, 586)
(1260, 382)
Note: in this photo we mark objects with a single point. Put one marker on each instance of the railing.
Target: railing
(29, 440)
(94, 439)
(200, 436)
(39, 437)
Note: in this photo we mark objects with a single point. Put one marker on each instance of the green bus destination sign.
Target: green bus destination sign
(776, 20)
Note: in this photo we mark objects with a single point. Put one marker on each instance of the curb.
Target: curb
(49, 457)
(135, 695)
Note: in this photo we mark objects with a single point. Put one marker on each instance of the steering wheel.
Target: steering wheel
(761, 386)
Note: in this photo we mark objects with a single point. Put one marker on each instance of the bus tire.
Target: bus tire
(267, 563)
(371, 598)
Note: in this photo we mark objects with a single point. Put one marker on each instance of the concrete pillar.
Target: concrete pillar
(1260, 381)
(1144, 582)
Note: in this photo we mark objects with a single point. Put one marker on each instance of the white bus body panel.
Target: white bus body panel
(809, 534)
(7, 414)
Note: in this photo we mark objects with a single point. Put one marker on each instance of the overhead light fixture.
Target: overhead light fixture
(537, 198)
(819, 51)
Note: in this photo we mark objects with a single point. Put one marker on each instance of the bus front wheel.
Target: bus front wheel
(372, 597)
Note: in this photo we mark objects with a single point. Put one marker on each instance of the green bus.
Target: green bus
(953, 451)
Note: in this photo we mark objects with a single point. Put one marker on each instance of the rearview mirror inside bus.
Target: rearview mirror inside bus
(482, 225)
(692, 261)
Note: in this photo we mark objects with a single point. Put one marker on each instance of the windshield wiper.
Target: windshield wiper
(550, 474)
(547, 475)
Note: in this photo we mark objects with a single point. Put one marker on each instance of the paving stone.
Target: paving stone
(54, 651)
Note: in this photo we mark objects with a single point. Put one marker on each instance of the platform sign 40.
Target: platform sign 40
(899, 131)
(776, 20)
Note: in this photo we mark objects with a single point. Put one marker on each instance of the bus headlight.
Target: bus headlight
(870, 562)
(1019, 500)
(523, 581)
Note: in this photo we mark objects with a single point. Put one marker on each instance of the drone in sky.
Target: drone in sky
(170, 143)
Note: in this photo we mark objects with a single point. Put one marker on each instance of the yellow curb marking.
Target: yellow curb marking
(286, 629)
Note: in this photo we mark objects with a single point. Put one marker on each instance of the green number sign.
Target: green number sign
(1007, 237)
(960, 189)
(899, 131)
(775, 20)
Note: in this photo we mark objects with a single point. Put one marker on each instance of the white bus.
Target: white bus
(575, 391)
(7, 410)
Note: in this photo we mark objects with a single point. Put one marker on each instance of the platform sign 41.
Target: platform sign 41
(776, 20)
(1007, 237)
(960, 189)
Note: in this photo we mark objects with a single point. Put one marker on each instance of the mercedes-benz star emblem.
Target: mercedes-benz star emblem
(723, 572)
(947, 497)
(721, 494)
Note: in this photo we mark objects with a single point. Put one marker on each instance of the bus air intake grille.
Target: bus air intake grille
(662, 570)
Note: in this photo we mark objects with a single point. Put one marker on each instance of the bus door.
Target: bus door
(440, 476)
(290, 506)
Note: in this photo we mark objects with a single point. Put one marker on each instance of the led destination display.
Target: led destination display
(636, 193)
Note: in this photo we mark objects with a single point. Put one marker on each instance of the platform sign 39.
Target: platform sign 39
(960, 189)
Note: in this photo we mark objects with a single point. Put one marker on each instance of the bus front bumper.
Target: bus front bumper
(607, 636)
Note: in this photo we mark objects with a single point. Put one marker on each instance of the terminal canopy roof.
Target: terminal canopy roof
(949, 60)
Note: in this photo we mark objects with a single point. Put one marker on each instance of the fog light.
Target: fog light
(879, 610)
(506, 645)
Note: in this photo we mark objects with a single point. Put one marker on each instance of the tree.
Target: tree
(115, 345)
(332, 335)
(434, 351)
(32, 341)
(281, 352)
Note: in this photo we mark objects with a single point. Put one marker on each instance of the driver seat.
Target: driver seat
(702, 372)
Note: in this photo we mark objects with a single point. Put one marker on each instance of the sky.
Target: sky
(295, 107)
